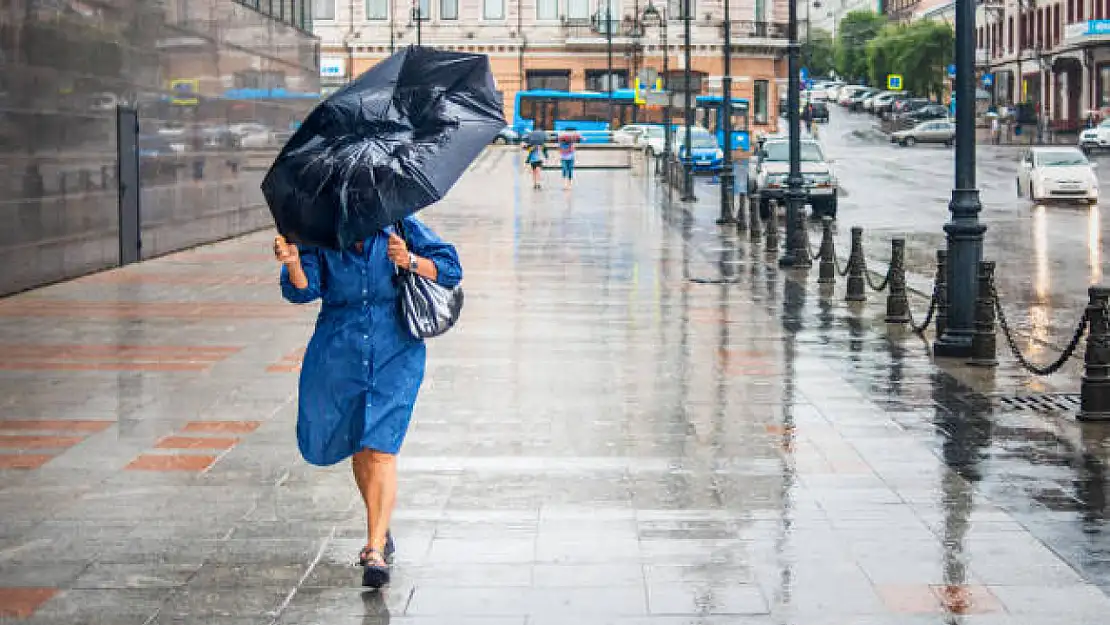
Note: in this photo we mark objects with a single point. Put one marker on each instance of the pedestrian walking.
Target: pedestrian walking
(535, 155)
(807, 117)
(362, 369)
(567, 145)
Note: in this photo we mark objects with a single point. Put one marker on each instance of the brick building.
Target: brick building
(552, 44)
(1055, 56)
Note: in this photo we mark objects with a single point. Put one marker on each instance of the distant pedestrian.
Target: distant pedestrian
(534, 156)
(807, 117)
(362, 369)
(567, 146)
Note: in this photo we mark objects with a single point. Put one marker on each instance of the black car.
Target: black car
(928, 112)
(820, 112)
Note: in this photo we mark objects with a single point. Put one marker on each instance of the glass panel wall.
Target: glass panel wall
(218, 86)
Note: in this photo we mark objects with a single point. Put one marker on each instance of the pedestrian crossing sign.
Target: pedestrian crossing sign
(894, 82)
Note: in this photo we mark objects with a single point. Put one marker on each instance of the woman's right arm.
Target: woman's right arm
(301, 280)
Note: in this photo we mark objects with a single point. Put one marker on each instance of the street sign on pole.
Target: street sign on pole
(894, 82)
(952, 71)
(988, 80)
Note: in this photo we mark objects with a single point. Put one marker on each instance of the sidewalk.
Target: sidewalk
(602, 440)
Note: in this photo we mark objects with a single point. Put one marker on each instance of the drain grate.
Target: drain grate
(1041, 402)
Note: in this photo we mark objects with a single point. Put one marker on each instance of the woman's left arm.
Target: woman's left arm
(427, 245)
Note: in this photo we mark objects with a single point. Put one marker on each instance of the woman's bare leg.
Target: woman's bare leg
(363, 470)
(382, 496)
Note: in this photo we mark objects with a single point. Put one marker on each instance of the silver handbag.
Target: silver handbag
(428, 309)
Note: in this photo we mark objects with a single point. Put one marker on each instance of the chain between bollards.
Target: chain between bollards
(1029, 366)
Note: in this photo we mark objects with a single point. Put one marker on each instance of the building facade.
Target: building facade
(826, 14)
(214, 84)
(1052, 56)
(560, 44)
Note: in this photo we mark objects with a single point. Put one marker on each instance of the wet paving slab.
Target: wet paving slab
(601, 439)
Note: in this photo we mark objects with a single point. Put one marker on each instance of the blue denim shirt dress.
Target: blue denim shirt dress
(362, 369)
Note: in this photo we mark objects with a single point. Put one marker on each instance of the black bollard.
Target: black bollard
(755, 231)
(983, 352)
(1094, 394)
(826, 270)
(772, 244)
(897, 304)
(856, 266)
(942, 292)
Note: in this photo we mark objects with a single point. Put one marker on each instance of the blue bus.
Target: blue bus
(588, 112)
(710, 116)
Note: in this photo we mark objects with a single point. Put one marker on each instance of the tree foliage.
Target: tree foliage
(919, 51)
(818, 52)
(855, 31)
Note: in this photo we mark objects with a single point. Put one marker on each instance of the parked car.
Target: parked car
(928, 112)
(906, 105)
(859, 102)
(507, 136)
(848, 92)
(832, 90)
(1097, 138)
(885, 102)
(768, 170)
(705, 153)
(1057, 173)
(942, 131)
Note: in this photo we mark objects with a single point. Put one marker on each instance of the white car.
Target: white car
(1057, 173)
(1096, 138)
(628, 135)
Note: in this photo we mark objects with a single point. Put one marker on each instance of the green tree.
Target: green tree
(818, 51)
(855, 31)
(919, 52)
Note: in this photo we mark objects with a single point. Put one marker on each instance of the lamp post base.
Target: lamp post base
(952, 345)
(965, 251)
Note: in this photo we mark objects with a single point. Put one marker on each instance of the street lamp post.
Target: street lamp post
(609, 53)
(653, 16)
(796, 254)
(688, 104)
(964, 232)
(726, 112)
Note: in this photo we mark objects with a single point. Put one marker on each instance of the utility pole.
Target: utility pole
(726, 112)
(687, 161)
(964, 232)
(609, 54)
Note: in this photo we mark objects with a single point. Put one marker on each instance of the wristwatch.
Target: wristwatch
(413, 265)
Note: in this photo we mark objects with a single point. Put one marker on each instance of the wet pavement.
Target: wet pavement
(638, 422)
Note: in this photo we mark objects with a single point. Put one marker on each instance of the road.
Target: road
(1047, 255)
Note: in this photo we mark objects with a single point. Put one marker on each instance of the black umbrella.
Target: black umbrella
(536, 137)
(386, 145)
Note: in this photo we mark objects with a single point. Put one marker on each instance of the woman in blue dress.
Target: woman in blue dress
(362, 369)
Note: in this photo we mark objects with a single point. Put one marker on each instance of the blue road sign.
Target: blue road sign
(988, 80)
(803, 75)
(952, 71)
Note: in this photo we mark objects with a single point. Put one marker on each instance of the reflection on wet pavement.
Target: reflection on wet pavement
(638, 421)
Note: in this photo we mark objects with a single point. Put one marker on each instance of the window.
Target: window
(448, 9)
(677, 9)
(554, 79)
(547, 9)
(578, 9)
(596, 80)
(323, 9)
(493, 9)
(1104, 85)
(425, 10)
(377, 9)
(527, 108)
(759, 102)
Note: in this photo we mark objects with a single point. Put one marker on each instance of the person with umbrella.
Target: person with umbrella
(343, 192)
(535, 153)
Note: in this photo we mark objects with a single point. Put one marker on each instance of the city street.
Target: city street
(638, 421)
(1047, 255)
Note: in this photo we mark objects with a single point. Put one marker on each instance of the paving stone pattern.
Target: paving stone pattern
(600, 441)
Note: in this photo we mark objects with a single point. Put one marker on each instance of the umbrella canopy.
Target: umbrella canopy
(536, 137)
(391, 142)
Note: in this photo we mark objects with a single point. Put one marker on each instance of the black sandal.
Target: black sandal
(387, 552)
(375, 573)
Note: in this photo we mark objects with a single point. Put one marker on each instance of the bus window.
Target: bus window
(570, 109)
(595, 111)
(740, 121)
(527, 108)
